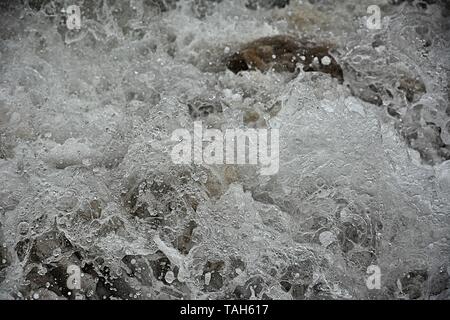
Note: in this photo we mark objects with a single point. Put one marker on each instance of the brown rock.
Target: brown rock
(184, 242)
(413, 88)
(282, 53)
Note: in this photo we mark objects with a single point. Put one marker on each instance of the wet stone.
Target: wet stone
(266, 4)
(160, 265)
(392, 112)
(412, 283)
(211, 275)
(45, 245)
(251, 117)
(38, 4)
(348, 237)
(320, 291)
(184, 242)
(299, 291)
(252, 287)
(412, 88)
(237, 266)
(22, 248)
(297, 277)
(440, 281)
(52, 276)
(370, 94)
(112, 287)
(215, 282)
(282, 54)
(425, 138)
(138, 267)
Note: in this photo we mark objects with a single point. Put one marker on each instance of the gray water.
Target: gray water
(86, 177)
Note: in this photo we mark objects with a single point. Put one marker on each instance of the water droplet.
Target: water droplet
(170, 277)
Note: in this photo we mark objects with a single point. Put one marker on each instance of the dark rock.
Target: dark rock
(47, 259)
(49, 245)
(349, 236)
(282, 53)
(236, 264)
(184, 242)
(320, 291)
(423, 137)
(255, 283)
(22, 248)
(8, 5)
(162, 5)
(109, 287)
(297, 278)
(160, 265)
(299, 273)
(54, 279)
(412, 283)
(266, 4)
(214, 266)
(392, 112)
(251, 117)
(298, 291)
(439, 281)
(371, 93)
(139, 268)
(38, 4)
(286, 285)
(413, 88)
(216, 281)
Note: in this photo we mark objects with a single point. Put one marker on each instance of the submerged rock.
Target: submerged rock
(440, 281)
(48, 245)
(282, 54)
(184, 242)
(212, 275)
(266, 4)
(412, 283)
(252, 288)
(413, 88)
(38, 4)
